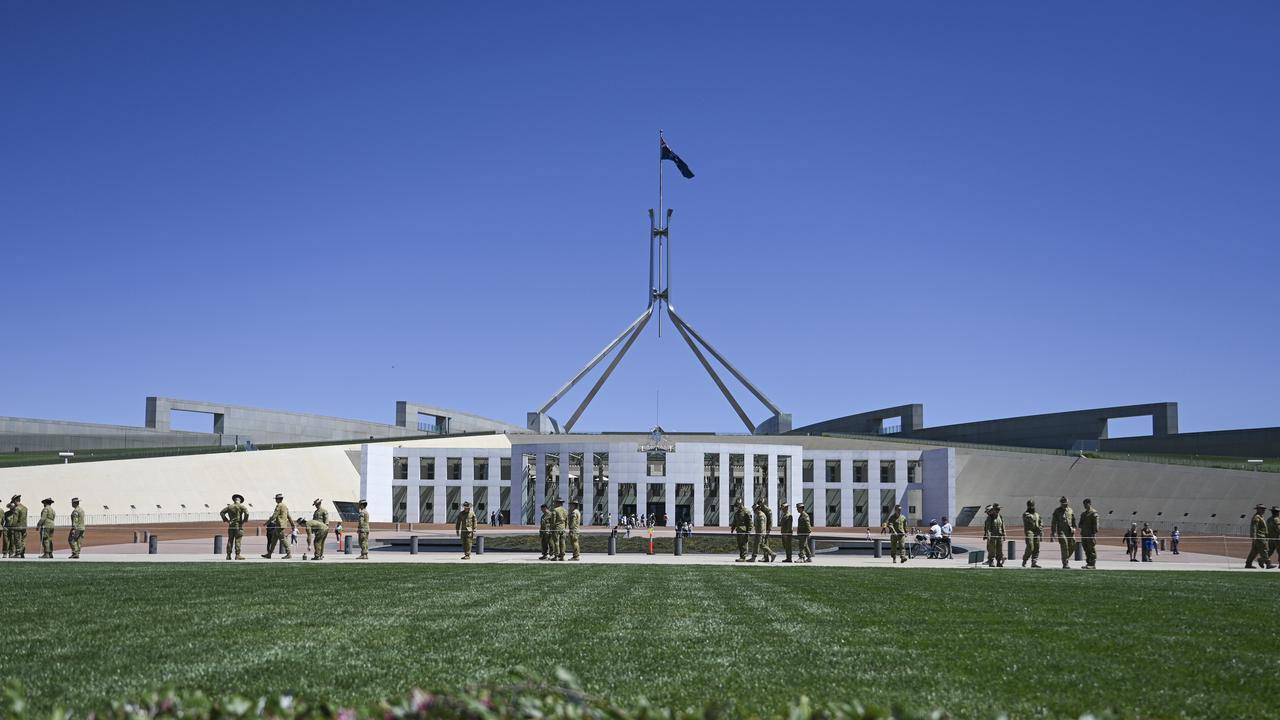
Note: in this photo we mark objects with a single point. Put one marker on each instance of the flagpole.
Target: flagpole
(660, 234)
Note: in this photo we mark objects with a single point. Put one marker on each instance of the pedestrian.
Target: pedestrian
(575, 531)
(1131, 542)
(804, 526)
(559, 524)
(337, 535)
(786, 521)
(4, 528)
(1258, 534)
(362, 529)
(1064, 528)
(318, 538)
(77, 528)
(1273, 535)
(993, 533)
(1032, 531)
(896, 526)
(1148, 542)
(493, 519)
(45, 525)
(544, 532)
(1089, 535)
(465, 528)
(18, 528)
(947, 529)
(760, 543)
(276, 525)
(741, 526)
(293, 537)
(235, 516)
(1174, 538)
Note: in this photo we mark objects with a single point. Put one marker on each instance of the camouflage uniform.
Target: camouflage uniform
(4, 529)
(993, 533)
(786, 522)
(897, 527)
(18, 529)
(741, 526)
(1032, 530)
(278, 530)
(76, 535)
(1089, 536)
(318, 537)
(234, 515)
(1258, 533)
(1273, 535)
(559, 523)
(362, 531)
(45, 524)
(465, 527)
(804, 525)
(575, 533)
(1064, 527)
(544, 533)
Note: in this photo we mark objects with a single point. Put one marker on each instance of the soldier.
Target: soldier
(362, 530)
(1258, 533)
(465, 528)
(993, 533)
(4, 528)
(804, 525)
(1273, 535)
(896, 526)
(559, 523)
(575, 523)
(1064, 527)
(544, 532)
(235, 516)
(1033, 530)
(785, 523)
(768, 530)
(317, 540)
(762, 523)
(18, 529)
(45, 525)
(741, 526)
(1089, 535)
(77, 528)
(757, 530)
(276, 529)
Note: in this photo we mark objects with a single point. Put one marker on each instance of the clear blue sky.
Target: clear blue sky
(994, 208)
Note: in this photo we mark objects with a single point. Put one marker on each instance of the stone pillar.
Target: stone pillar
(539, 490)
(874, 517)
(725, 510)
(771, 485)
(588, 487)
(700, 493)
(846, 490)
(413, 493)
(669, 499)
(468, 480)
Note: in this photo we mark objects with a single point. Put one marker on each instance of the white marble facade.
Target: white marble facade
(931, 491)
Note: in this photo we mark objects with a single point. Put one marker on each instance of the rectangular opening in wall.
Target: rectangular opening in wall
(480, 469)
(399, 468)
(888, 471)
(833, 507)
(505, 469)
(627, 499)
(193, 421)
(860, 471)
(888, 498)
(914, 506)
(807, 472)
(760, 474)
(454, 465)
(783, 483)
(914, 475)
(833, 471)
(504, 497)
(432, 423)
(426, 504)
(711, 489)
(860, 508)
(1141, 426)
(529, 488)
(399, 508)
(480, 503)
(891, 425)
(737, 475)
(656, 502)
(427, 468)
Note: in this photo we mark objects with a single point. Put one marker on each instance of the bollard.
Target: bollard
(479, 544)
(413, 544)
(1079, 551)
(613, 544)
(153, 544)
(217, 544)
(397, 527)
(879, 547)
(1012, 553)
(679, 545)
(813, 546)
(346, 541)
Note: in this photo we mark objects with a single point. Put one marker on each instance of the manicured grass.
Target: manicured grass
(598, 542)
(975, 642)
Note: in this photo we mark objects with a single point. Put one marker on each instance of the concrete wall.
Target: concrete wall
(1251, 443)
(870, 422)
(454, 421)
(32, 435)
(1051, 430)
(272, 426)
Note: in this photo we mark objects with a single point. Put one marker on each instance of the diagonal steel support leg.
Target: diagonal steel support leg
(723, 361)
(680, 327)
(642, 320)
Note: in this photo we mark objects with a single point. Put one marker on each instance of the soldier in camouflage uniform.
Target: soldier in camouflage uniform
(1032, 530)
(762, 528)
(1258, 533)
(45, 525)
(18, 529)
(1273, 535)
(575, 531)
(544, 532)
(319, 536)
(362, 530)
(896, 526)
(993, 533)
(277, 529)
(77, 528)
(1064, 527)
(804, 525)
(741, 526)
(786, 522)
(559, 523)
(1089, 535)
(235, 516)
(465, 528)
(4, 528)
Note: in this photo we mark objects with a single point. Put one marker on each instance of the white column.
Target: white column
(771, 487)
(588, 487)
(468, 479)
(516, 485)
(669, 494)
(874, 518)
(724, 490)
(846, 490)
(795, 487)
(375, 480)
(412, 505)
(749, 479)
(819, 510)
(495, 495)
(900, 479)
(539, 489)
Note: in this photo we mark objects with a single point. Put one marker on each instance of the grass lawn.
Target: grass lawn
(974, 642)
(638, 543)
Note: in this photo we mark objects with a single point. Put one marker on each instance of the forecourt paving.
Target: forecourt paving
(201, 550)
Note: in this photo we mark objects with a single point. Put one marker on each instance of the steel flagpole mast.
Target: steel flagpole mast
(659, 231)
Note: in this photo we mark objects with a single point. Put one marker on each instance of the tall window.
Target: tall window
(427, 468)
(657, 464)
(400, 468)
(480, 469)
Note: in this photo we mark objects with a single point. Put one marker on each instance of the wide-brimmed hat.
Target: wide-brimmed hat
(995, 506)
(47, 501)
(1031, 503)
(1260, 506)
(466, 503)
(75, 500)
(238, 497)
(1062, 499)
(1275, 508)
(317, 501)
(15, 498)
(279, 496)
(363, 501)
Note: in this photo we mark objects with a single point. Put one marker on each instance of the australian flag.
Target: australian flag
(667, 154)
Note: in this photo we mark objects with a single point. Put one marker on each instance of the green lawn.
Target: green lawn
(972, 641)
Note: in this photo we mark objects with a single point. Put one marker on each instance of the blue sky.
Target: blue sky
(994, 209)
